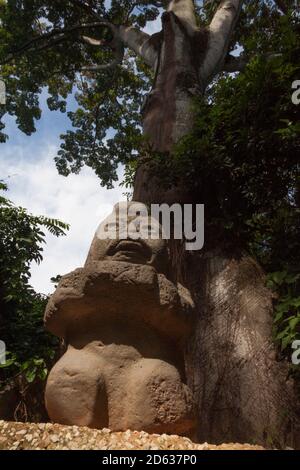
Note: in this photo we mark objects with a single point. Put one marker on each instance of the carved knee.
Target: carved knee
(76, 390)
(157, 400)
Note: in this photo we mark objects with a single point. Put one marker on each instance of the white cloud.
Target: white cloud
(77, 199)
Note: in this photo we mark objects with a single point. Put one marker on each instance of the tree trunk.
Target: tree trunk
(167, 114)
(242, 391)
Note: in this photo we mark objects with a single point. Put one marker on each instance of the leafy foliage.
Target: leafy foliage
(106, 124)
(21, 308)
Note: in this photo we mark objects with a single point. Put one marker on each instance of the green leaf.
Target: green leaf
(294, 322)
(30, 374)
(287, 340)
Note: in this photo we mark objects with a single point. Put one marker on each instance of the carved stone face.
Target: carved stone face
(130, 235)
(125, 278)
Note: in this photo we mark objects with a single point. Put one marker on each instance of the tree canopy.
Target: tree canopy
(69, 48)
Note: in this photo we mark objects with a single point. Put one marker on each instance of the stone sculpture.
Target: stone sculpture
(125, 324)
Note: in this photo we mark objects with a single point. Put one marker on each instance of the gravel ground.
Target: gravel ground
(26, 436)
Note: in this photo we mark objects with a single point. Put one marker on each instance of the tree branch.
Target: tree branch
(140, 43)
(54, 36)
(185, 11)
(118, 48)
(220, 32)
(237, 64)
(136, 40)
(93, 41)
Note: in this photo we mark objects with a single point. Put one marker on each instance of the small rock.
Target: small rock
(55, 436)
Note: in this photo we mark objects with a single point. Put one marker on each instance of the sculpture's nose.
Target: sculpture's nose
(135, 251)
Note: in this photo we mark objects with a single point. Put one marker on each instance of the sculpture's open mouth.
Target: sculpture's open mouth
(136, 251)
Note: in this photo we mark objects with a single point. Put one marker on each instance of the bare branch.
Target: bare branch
(220, 32)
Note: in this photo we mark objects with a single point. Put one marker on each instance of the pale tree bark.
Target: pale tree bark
(139, 42)
(185, 11)
(220, 33)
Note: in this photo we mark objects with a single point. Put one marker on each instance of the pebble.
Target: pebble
(42, 436)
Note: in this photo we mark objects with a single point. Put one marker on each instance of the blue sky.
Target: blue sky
(27, 166)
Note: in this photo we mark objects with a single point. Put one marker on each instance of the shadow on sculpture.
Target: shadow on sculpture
(125, 323)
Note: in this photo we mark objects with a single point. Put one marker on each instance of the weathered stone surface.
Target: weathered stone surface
(125, 324)
(115, 290)
(27, 436)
